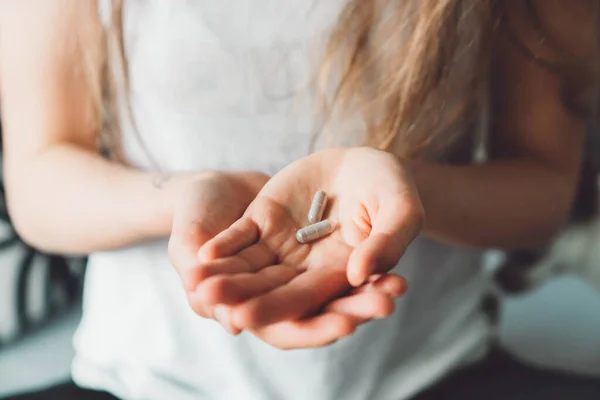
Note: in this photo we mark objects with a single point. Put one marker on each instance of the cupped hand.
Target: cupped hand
(211, 203)
(207, 205)
(262, 278)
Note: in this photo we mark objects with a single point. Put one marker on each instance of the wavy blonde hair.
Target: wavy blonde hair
(413, 69)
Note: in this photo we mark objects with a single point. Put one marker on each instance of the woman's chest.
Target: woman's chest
(237, 57)
(217, 84)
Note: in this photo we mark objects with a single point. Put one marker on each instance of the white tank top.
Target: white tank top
(212, 84)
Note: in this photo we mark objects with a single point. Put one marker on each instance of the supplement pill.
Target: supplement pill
(317, 207)
(315, 231)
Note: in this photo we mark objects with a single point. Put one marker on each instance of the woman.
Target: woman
(203, 93)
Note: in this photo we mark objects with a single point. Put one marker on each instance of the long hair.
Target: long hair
(412, 69)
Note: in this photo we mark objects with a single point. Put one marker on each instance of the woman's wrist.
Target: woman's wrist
(169, 189)
(425, 182)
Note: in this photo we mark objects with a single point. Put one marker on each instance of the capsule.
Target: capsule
(317, 207)
(315, 231)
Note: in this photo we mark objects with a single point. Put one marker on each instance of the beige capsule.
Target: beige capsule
(315, 231)
(317, 207)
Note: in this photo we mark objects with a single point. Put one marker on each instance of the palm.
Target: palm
(278, 226)
(259, 266)
(281, 209)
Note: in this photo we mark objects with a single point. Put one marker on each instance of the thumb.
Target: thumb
(398, 222)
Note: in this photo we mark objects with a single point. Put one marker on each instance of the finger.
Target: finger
(398, 222)
(248, 260)
(389, 284)
(233, 289)
(378, 253)
(302, 296)
(222, 314)
(318, 331)
(363, 306)
(232, 240)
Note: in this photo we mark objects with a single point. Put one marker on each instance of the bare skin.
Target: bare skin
(208, 207)
(51, 154)
(536, 153)
(259, 259)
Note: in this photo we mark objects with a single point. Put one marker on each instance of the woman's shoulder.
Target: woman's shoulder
(553, 42)
(554, 29)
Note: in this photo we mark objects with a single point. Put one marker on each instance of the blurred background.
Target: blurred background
(39, 309)
(550, 315)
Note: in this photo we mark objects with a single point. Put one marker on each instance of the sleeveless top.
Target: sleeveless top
(212, 87)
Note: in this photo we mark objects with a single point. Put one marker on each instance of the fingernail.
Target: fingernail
(359, 280)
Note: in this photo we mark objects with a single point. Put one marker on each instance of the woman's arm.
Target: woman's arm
(62, 195)
(511, 204)
(524, 194)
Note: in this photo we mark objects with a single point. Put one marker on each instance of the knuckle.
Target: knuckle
(209, 252)
(414, 212)
(204, 271)
(345, 328)
(213, 289)
(197, 307)
(265, 213)
(251, 318)
(419, 216)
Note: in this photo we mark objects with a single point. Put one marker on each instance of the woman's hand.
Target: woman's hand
(258, 273)
(209, 204)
